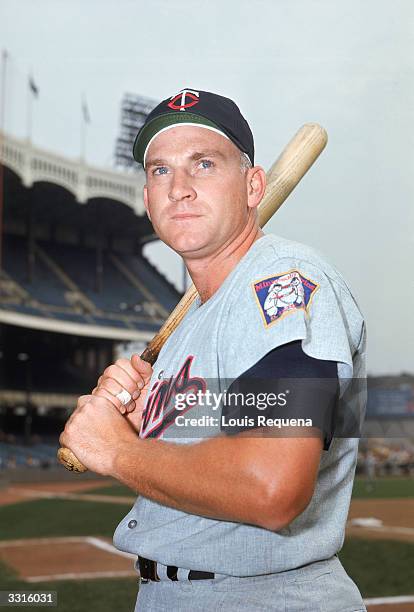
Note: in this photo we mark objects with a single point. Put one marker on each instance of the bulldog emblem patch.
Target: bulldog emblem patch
(282, 294)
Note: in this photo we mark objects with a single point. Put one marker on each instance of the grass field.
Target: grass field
(79, 596)
(115, 489)
(58, 517)
(379, 567)
(387, 488)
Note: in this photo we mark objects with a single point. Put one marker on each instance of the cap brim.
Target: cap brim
(151, 129)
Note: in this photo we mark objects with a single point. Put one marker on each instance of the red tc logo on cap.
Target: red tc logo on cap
(182, 105)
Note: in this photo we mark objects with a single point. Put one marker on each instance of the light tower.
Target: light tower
(134, 110)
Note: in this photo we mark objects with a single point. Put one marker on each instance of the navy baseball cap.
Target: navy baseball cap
(200, 108)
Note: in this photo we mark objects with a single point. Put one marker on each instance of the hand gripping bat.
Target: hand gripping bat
(289, 168)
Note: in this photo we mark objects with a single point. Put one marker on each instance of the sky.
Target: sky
(347, 65)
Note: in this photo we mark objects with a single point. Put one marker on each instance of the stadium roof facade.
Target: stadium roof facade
(34, 165)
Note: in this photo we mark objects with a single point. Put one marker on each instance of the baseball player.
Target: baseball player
(242, 504)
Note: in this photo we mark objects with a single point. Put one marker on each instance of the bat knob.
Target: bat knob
(71, 463)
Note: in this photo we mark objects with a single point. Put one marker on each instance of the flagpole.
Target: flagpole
(29, 116)
(83, 128)
(32, 91)
(4, 57)
(83, 140)
(29, 113)
(85, 119)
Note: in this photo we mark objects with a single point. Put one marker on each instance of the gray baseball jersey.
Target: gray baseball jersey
(280, 291)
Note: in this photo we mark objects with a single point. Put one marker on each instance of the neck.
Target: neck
(208, 273)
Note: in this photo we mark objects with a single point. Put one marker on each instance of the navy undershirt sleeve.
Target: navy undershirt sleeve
(305, 387)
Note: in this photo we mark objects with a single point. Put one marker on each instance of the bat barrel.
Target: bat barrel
(290, 167)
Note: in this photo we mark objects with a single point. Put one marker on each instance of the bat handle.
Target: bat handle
(70, 461)
(150, 354)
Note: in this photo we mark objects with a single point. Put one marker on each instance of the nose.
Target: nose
(181, 187)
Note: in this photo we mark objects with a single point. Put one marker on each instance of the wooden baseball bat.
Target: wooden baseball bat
(289, 168)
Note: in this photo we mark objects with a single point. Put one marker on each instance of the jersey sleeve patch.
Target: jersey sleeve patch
(282, 294)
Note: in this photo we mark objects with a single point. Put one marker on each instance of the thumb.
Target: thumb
(141, 366)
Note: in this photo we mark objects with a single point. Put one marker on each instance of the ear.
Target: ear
(145, 194)
(256, 185)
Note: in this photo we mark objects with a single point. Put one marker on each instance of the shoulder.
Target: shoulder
(277, 253)
(274, 262)
(284, 291)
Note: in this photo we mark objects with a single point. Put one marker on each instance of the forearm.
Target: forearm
(218, 478)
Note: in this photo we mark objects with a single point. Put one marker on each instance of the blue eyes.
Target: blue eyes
(162, 170)
(205, 164)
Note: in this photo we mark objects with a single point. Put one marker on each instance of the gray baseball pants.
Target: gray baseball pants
(319, 587)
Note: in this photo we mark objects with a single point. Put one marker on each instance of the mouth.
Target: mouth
(184, 216)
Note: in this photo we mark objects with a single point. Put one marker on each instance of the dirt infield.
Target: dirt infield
(21, 492)
(393, 605)
(64, 558)
(397, 512)
(396, 516)
(47, 559)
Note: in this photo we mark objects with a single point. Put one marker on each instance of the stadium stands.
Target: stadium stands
(64, 284)
(45, 287)
(74, 287)
(16, 455)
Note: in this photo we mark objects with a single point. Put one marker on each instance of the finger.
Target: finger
(104, 393)
(113, 387)
(62, 439)
(110, 385)
(130, 407)
(141, 366)
(121, 377)
(102, 401)
(126, 365)
(83, 399)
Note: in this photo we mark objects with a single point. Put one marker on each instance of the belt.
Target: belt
(148, 571)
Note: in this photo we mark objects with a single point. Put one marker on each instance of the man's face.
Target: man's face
(196, 194)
